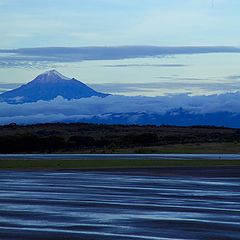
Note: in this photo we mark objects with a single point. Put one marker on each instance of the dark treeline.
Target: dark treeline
(80, 137)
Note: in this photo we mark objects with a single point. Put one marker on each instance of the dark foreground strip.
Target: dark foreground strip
(109, 164)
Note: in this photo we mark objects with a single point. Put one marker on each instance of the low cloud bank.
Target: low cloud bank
(60, 110)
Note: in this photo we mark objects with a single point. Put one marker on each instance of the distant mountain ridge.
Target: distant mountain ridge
(177, 117)
(48, 86)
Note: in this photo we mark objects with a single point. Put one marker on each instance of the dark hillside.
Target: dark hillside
(108, 138)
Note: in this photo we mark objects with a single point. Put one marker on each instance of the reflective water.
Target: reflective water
(119, 205)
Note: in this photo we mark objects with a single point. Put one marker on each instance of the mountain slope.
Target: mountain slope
(48, 86)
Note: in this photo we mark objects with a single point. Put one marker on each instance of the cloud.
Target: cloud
(176, 77)
(145, 65)
(233, 77)
(18, 63)
(60, 109)
(75, 54)
(9, 85)
(171, 84)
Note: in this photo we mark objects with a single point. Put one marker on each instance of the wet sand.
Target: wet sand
(150, 204)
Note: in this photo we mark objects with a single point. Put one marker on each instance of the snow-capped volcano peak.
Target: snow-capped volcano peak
(53, 72)
(48, 86)
(50, 76)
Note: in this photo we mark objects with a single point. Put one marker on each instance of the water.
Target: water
(136, 205)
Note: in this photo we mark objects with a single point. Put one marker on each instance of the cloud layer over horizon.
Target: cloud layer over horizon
(60, 110)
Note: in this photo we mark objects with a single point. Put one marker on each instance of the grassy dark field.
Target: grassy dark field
(113, 164)
(93, 138)
(194, 148)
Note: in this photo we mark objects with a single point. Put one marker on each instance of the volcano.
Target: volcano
(48, 86)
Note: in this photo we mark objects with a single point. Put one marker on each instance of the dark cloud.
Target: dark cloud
(72, 54)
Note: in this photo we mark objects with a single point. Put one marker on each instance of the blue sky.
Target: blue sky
(45, 23)
(71, 23)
